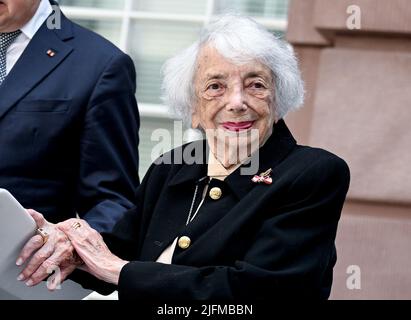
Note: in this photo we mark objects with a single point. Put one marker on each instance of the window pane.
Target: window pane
(172, 6)
(108, 29)
(157, 137)
(112, 4)
(151, 43)
(258, 8)
(148, 125)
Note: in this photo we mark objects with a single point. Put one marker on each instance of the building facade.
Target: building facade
(356, 62)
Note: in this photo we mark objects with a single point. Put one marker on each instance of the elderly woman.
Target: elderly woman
(204, 227)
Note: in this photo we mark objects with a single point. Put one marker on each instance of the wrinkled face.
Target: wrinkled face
(233, 99)
(16, 13)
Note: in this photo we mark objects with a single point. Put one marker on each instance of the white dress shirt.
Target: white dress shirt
(27, 33)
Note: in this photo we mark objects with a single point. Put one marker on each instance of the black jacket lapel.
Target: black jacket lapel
(269, 156)
(166, 224)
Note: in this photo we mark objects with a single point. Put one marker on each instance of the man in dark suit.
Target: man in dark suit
(68, 120)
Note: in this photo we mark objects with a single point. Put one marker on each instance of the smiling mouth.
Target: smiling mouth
(237, 126)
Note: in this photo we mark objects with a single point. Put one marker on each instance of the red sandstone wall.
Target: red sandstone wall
(358, 106)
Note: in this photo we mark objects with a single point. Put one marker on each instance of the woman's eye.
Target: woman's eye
(257, 85)
(214, 86)
(215, 89)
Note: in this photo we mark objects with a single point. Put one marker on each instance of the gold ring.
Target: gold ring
(76, 225)
(43, 234)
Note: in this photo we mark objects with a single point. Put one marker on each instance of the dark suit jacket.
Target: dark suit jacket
(257, 241)
(69, 127)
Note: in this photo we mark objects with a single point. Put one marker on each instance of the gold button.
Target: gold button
(184, 242)
(215, 193)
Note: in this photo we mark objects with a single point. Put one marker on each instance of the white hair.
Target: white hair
(239, 39)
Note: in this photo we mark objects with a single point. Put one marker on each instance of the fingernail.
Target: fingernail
(19, 261)
(20, 277)
(29, 283)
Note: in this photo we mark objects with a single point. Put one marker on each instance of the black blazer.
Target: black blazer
(69, 127)
(257, 241)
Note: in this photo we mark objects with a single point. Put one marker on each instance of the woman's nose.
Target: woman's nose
(236, 100)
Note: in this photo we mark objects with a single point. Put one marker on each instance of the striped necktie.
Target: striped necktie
(6, 39)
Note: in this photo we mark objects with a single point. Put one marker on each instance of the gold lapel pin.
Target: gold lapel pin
(51, 53)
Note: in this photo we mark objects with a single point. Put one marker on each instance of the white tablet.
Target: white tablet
(16, 228)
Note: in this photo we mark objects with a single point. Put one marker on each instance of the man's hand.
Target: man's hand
(56, 254)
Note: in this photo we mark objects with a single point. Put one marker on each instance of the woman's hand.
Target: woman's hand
(89, 245)
(52, 254)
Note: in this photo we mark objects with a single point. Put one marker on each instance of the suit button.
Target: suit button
(215, 193)
(184, 242)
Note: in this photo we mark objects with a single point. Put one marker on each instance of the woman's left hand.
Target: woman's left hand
(89, 245)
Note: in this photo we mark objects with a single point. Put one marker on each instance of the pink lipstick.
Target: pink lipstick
(237, 126)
